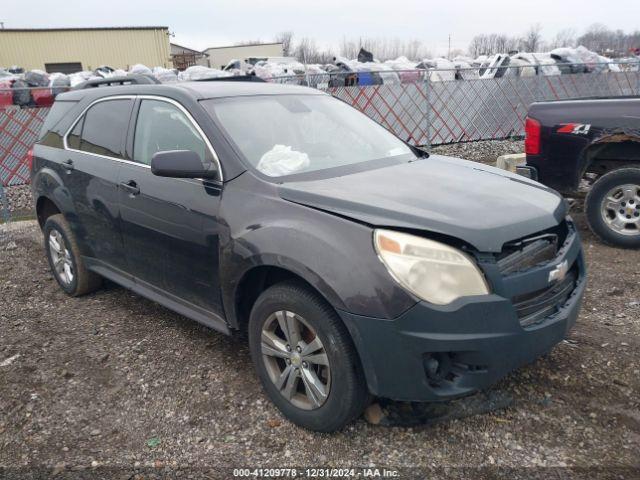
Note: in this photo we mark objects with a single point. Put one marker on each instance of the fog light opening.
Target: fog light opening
(438, 368)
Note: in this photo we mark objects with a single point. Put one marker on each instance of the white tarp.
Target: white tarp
(198, 72)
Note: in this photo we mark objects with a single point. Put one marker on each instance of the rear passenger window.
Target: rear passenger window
(104, 129)
(162, 126)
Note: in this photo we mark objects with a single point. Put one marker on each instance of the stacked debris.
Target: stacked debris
(38, 88)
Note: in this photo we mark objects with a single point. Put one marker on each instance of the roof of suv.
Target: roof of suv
(197, 90)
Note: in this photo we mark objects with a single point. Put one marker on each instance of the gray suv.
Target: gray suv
(359, 265)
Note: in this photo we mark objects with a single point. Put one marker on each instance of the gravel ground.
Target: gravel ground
(19, 201)
(110, 384)
(484, 152)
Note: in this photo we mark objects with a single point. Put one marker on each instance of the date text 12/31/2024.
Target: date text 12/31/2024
(315, 473)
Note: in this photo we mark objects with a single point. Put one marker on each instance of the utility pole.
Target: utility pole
(449, 51)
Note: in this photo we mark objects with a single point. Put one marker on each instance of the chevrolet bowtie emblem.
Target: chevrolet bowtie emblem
(558, 273)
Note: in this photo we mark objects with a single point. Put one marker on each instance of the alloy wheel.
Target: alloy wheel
(296, 360)
(620, 209)
(61, 257)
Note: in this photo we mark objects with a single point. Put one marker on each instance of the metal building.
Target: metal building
(184, 57)
(70, 50)
(219, 57)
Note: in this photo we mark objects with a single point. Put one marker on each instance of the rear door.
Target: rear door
(170, 226)
(95, 149)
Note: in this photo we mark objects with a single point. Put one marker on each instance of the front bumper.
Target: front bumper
(433, 353)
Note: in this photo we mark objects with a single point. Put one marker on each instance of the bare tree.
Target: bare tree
(601, 39)
(306, 51)
(286, 38)
(564, 38)
(532, 40)
(384, 48)
(492, 43)
(457, 52)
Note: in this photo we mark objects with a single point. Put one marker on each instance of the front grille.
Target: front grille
(534, 307)
(521, 255)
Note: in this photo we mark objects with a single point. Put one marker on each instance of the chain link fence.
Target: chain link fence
(423, 107)
(434, 107)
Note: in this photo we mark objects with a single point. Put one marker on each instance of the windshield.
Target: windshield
(288, 134)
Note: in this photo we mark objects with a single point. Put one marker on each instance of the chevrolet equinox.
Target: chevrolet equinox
(358, 265)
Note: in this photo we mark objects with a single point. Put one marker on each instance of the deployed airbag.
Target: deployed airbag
(282, 160)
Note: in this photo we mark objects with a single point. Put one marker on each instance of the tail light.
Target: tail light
(532, 137)
(30, 159)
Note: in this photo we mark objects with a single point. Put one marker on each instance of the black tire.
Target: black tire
(348, 395)
(596, 197)
(83, 280)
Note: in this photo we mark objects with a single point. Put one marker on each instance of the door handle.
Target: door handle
(131, 187)
(68, 165)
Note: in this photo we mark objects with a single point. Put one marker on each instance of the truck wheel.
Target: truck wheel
(305, 358)
(65, 260)
(613, 208)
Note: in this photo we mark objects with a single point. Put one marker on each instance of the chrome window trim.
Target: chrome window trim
(171, 101)
(75, 122)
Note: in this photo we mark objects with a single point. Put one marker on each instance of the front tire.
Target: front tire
(305, 358)
(613, 208)
(65, 260)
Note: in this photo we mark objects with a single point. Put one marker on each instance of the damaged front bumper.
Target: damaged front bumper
(433, 353)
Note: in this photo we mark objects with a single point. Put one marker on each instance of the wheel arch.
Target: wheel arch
(259, 277)
(49, 192)
(610, 153)
(45, 207)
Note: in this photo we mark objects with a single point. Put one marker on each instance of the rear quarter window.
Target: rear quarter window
(49, 135)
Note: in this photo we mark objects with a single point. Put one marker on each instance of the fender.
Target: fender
(609, 149)
(270, 231)
(230, 289)
(47, 183)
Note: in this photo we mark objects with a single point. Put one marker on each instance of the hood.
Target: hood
(481, 205)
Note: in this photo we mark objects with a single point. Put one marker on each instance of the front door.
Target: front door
(170, 226)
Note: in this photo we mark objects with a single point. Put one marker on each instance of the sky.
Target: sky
(223, 22)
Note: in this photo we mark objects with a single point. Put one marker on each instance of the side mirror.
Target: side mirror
(180, 164)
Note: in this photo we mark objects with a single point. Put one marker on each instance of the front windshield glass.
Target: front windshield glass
(289, 134)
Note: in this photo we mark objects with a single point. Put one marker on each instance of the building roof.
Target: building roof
(67, 29)
(184, 48)
(243, 45)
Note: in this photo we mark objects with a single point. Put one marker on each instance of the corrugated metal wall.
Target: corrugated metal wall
(118, 48)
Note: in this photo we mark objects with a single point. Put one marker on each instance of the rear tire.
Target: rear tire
(65, 260)
(613, 208)
(332, 364)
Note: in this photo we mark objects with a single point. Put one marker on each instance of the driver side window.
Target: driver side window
(161, 126)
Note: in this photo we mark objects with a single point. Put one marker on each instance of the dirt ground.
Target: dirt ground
(110, 385)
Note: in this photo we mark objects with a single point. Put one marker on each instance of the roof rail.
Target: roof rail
(234, 78)
(122, 80)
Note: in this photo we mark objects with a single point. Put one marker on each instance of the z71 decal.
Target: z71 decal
(574, 128)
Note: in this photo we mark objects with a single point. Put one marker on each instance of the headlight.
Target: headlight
(431, 270)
